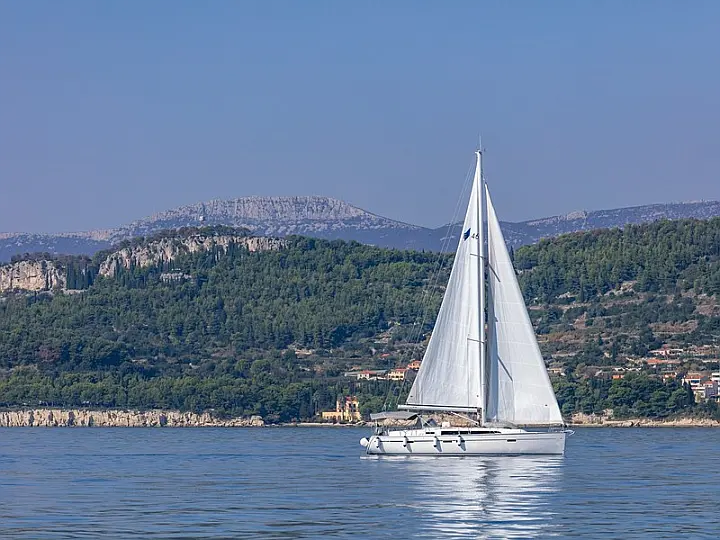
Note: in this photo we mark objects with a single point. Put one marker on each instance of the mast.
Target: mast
(480, 238)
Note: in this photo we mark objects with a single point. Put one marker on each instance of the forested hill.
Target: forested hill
(310, 293)
(271, 331)
(663, 257)
(624, 315)
(211, 329)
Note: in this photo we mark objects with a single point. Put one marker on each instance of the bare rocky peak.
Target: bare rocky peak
(267, 208)
(264, 215)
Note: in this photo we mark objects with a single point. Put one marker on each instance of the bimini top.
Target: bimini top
(393, 415)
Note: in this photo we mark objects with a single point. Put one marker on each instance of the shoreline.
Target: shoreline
(59, 417)
(597, 420)
(650, 423)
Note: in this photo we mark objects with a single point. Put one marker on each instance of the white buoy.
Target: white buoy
(364, 442)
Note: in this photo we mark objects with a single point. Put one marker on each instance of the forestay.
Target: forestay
(519, 389)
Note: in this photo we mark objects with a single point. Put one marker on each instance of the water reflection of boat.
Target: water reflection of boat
(488, 497)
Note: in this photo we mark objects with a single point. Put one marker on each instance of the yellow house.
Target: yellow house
(346, 410)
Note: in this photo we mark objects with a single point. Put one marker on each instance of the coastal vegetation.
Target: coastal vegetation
(272, 332)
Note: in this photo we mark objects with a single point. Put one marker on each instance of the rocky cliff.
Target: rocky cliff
(47, 275)
(167, 249)
(116, 418)
(596, 420)
(32, 276)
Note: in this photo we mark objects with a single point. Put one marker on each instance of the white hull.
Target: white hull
(465, 442)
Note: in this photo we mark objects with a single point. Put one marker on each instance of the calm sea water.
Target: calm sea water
(314, 483)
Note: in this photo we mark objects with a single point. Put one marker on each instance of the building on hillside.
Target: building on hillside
(710, 390)
(613, 372)
(697, 381)
(397, 374)
(414, 365)
(667, 352)
(366, 374)
(347, 409)
(695, 377)
(174, 275)
(662, 363)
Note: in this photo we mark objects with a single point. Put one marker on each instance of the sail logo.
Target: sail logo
(466, 234)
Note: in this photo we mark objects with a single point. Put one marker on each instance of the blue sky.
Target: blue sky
(110, 111)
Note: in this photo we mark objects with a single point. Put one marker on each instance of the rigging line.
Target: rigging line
(400, 391)
(442, 260)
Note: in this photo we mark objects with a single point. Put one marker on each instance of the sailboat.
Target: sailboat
(490, 378)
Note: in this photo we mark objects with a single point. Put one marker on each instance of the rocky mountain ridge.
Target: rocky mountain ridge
(533, 230)
(328, 218)
(268, 216)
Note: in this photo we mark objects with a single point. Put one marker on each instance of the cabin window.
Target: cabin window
(469, 432)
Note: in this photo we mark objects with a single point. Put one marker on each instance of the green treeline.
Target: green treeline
(263, 387)
(637, 395)
(216, 335)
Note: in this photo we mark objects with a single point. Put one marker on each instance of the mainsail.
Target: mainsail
(449, 376)
(519, 389)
